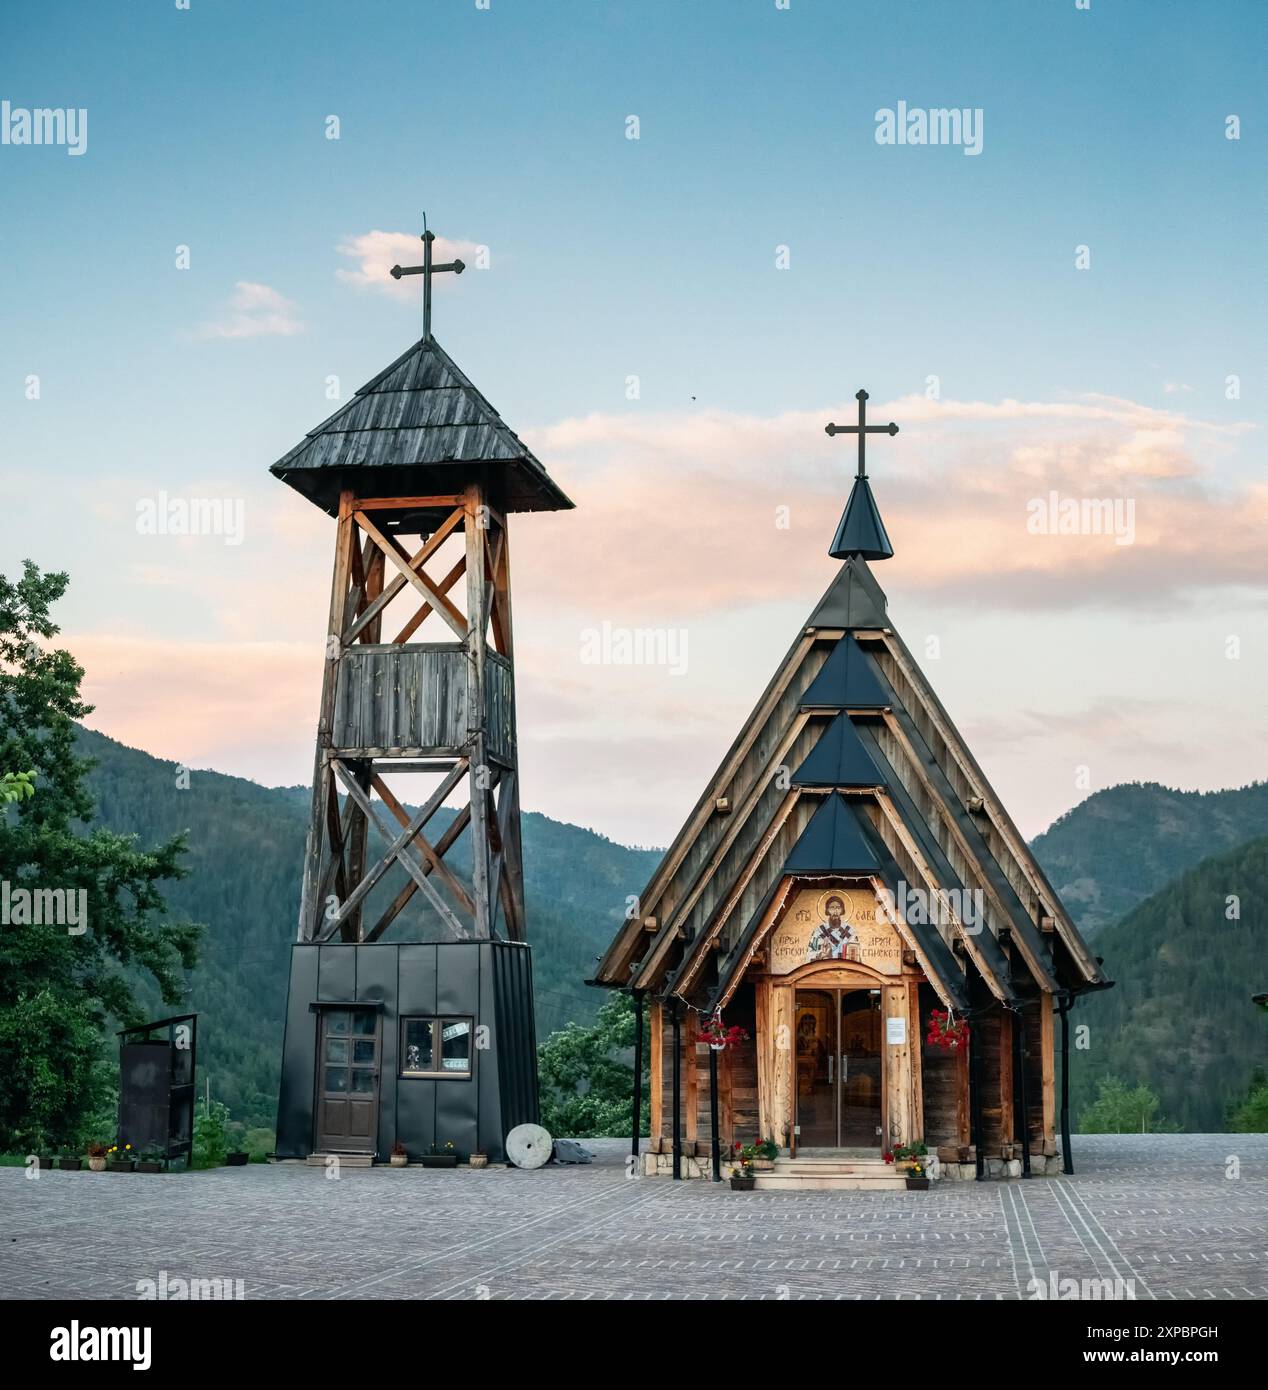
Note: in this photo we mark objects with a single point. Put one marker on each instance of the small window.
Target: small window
(436, 1047)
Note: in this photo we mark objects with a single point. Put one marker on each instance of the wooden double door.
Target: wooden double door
(348, 1049)
(839, 1068)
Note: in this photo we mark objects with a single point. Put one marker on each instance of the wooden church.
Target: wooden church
(849, 893)
(410, 1012)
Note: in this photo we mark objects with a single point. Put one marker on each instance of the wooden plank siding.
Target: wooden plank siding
(395, 698)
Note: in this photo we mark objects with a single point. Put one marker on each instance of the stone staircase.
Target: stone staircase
(831, 1173)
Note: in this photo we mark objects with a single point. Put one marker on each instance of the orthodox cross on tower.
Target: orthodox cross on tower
(862, 429)
(861, 532)
(426, 270)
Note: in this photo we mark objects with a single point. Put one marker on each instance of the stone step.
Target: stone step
(829, 1182)
(821, 1166)
(345, 1160)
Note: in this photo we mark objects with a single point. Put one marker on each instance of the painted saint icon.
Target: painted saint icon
(833, 936)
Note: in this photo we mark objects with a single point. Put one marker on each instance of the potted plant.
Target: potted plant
(97, 1157)
(120, 1160)
(237, 1158)
(441, 1156)
(68, 1163)
(398, 1158)
(911, 1159)
(917, 1181)
(479, 1160)
(150, 1161)
(743, 1179)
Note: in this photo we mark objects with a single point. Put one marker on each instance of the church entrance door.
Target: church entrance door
(838, 1069)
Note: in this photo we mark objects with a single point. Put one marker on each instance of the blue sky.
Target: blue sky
(655, 257)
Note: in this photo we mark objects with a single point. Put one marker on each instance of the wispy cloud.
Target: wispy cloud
(376, 252)
(254, 311)
(716, 510)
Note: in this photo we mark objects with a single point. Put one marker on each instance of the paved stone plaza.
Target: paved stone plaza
(1159, 1211)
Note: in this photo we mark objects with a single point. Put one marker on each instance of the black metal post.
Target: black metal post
(637, 1127)
(713, 1115)
(1021, 1120)
(677, 1089)
(975, 1102)
(1065, 1003)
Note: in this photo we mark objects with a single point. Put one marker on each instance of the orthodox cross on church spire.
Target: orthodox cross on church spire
(861, 532)
(426, 270)
(862, 429)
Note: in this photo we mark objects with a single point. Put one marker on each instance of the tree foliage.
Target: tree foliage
(62, 986)
(1122, 1109)
(586, 1081)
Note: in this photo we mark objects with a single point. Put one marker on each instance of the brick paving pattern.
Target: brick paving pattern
(1160, 1211)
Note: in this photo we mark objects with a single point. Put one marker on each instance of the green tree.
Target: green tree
(1122, 1109)
(1251, 1115)
(586, 1083)
(62, 984)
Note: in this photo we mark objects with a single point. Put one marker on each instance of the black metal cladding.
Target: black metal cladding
(489, 982)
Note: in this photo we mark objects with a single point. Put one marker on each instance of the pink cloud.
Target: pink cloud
(255, 311)
(376, 252)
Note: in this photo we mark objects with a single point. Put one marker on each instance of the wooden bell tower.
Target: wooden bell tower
(422, 475)
(428, 1038)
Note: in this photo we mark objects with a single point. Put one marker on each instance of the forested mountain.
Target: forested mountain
(246, 845)
(1179, 1018)
(1124, 843)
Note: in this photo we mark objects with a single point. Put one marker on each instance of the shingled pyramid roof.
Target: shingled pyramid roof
(832, 843)
(419, 428)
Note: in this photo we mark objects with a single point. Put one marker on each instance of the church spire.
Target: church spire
(861, 531)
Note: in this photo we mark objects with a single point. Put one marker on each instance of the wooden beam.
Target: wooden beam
(419, 618)
(413, 504)
(392, 548)
(439, 867)
(656, 1067)
(443, 845)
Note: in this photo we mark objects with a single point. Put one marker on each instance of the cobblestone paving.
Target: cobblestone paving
(1160, 1211)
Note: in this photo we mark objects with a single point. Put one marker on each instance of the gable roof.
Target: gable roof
(418, 428)
(930, 817)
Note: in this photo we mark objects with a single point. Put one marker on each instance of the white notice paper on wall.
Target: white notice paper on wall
(896, 1031)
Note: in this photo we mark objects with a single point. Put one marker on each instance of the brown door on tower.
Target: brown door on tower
(347, 1081)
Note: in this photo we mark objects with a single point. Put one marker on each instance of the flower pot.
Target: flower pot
(743, 1184)
(440, 1160)
(398, 1160)
(149, 1165)
(97, 1165)
(121, 1165)
(479, 1160)
(917, 1184)
(763, 1165)
(237, 1159)
(70, 1165)
(45, 1161)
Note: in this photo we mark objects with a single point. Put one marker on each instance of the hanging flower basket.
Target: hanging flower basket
(945, 1031)
(719, 1037)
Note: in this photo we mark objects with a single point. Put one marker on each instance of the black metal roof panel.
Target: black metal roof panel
(847, 680)
(839, 759)
(418, 428)
(832, 843)
(861, 532)
(853, 600)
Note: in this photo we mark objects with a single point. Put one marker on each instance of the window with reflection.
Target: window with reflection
(436, 1047)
